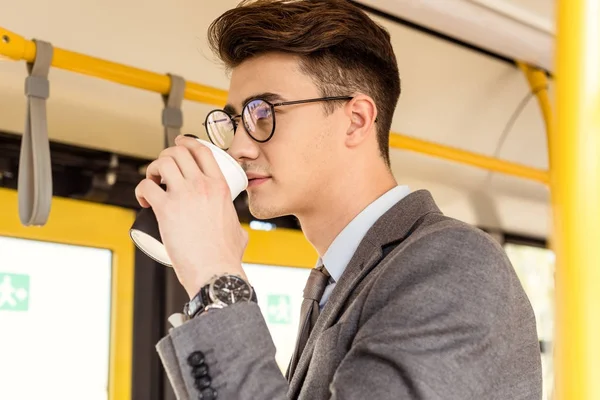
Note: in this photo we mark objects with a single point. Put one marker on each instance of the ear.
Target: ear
(362, 113)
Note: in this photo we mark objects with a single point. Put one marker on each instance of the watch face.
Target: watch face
(230, 289)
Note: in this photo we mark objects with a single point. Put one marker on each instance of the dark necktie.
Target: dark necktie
(309, 311)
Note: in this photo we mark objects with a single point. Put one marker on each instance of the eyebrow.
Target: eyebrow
(268, 96)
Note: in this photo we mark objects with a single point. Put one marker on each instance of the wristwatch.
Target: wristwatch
(220, 292)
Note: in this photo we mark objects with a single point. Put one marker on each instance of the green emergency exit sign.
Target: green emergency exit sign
(279, 309)
(14, 292)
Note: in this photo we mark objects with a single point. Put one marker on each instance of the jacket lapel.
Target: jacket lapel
(393, 227)
(343, 288)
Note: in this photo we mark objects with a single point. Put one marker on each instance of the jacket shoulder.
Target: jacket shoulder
(450, 261)
(437, 235)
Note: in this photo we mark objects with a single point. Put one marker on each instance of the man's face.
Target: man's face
(302, 158)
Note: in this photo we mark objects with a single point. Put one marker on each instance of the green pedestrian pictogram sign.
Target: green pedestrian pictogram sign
(14, 292)
(279, 309)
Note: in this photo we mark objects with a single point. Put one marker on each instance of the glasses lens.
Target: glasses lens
(220, 129)
(258, 120)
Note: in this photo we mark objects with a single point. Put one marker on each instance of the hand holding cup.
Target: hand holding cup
(198, 224)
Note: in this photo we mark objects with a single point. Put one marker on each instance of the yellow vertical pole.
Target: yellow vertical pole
(575, 184)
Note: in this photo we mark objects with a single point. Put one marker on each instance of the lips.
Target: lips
(255, 179)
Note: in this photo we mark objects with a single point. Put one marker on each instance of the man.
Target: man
(410, 303)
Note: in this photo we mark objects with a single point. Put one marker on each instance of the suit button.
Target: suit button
(200, 371)
(203, 382)
(208, 394)
(196, 358)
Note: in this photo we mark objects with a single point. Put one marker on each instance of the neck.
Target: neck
(338, 206)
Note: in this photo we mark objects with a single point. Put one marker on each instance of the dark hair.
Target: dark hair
(340, 47)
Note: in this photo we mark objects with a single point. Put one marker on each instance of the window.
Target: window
(70, 310)
(535, 268)
(279, 290)
(55, 308)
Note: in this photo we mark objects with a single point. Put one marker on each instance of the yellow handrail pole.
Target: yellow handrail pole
(466, 157)
(18, 48)
(575, 186)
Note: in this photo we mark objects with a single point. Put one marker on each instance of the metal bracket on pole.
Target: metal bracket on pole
(172, 117)
(538, 82)
(35, 168)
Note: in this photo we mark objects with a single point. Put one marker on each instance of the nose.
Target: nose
(243, 147)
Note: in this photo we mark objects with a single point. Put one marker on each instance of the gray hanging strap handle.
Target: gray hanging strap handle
(172, 117)
(35, 173)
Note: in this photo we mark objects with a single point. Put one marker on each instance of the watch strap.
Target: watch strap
(198, 303)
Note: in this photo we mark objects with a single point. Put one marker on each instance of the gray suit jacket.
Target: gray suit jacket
(428, 308)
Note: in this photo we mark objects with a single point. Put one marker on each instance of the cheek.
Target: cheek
(292, 143)
(301, 150)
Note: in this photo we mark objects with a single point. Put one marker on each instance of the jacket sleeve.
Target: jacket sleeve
(446, 320)
(225, 354)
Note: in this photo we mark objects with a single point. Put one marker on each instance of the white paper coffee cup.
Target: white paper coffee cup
(234, 174)
(145, 233)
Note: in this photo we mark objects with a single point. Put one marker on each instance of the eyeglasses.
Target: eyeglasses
(258, 117)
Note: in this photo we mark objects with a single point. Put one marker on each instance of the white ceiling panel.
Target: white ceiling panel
(542, 9)
(494, 25)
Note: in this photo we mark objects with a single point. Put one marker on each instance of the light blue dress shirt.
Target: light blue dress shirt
(344, 246)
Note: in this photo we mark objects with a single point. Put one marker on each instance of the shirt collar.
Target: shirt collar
(342, 248)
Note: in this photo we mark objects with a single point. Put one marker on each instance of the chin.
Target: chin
(264, 212)
(265, 209)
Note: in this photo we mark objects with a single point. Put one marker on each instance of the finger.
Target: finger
(203, 155)
(165, 170)
(184, 160)
(149, 194)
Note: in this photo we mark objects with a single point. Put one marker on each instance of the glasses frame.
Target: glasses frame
(272, 105)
